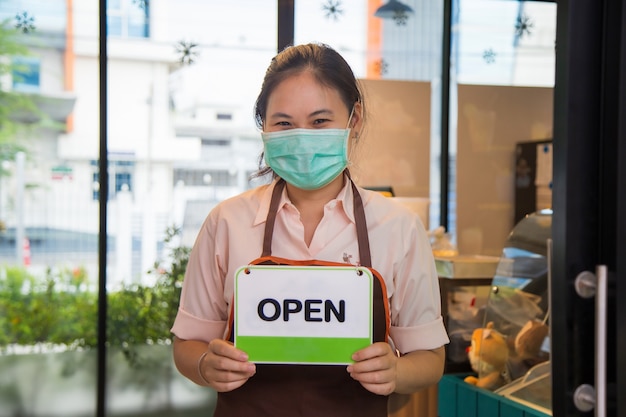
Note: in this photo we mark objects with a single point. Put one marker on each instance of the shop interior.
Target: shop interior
(500, 122)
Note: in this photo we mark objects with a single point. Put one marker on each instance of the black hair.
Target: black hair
(327, 66)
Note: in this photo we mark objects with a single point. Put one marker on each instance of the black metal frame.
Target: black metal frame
(589, 181)
(102, 203)
(286, 13)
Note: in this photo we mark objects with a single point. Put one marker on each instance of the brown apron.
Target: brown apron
(310, 390)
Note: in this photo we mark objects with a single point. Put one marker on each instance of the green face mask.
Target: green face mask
(307, 158)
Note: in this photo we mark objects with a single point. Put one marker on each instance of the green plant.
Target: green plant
(143, 314)
(58, 309)
(61, 308)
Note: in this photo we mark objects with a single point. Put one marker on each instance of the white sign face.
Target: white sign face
(303, 314)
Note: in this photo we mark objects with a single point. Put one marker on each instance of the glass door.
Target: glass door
(589, 251)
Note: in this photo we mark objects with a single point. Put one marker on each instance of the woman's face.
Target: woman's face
(300, 101)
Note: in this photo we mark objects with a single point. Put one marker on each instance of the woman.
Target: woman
(311, 111)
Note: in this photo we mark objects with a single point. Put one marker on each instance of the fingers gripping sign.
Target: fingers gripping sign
(375, 367)
(224, 367)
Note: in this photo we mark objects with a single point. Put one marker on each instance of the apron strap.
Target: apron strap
(365, 255)
(359, 218)
(271, 217)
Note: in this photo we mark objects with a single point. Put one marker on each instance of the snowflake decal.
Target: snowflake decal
(187, 52)
(381, 66)
(142, 4)
(523, 26)
(24, 22)
(489, 56)
(332, 9)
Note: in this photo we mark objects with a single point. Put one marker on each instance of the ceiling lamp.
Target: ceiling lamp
(392, 10)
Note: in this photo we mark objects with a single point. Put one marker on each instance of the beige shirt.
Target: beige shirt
(232, 236)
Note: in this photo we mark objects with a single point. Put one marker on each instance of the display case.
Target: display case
(457, 398)
(518, 305)
(509, 352)
(464, 283)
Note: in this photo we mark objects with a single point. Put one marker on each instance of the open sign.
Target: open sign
(303, 314)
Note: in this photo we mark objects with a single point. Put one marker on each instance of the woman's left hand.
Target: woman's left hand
(375, 367)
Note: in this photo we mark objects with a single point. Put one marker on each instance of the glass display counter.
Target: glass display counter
(509, 351)
(464, 283)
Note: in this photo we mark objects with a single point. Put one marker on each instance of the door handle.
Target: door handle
(588, 285)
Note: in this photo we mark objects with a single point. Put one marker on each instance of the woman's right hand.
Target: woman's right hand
(224, 367)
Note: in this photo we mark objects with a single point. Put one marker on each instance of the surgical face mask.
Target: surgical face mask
(307, 158)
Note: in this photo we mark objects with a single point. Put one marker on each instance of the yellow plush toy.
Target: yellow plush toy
(488, 355)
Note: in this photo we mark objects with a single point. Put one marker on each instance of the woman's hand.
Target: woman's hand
(380, 371)
(375, 368)
(224, 367)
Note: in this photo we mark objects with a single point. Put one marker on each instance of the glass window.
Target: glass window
(180, 133)
(49, 225)
(504, 42)
(203, 177)
(25, 74)
(128, 18)
(502, 78)
(120, 178)
(171, 146)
